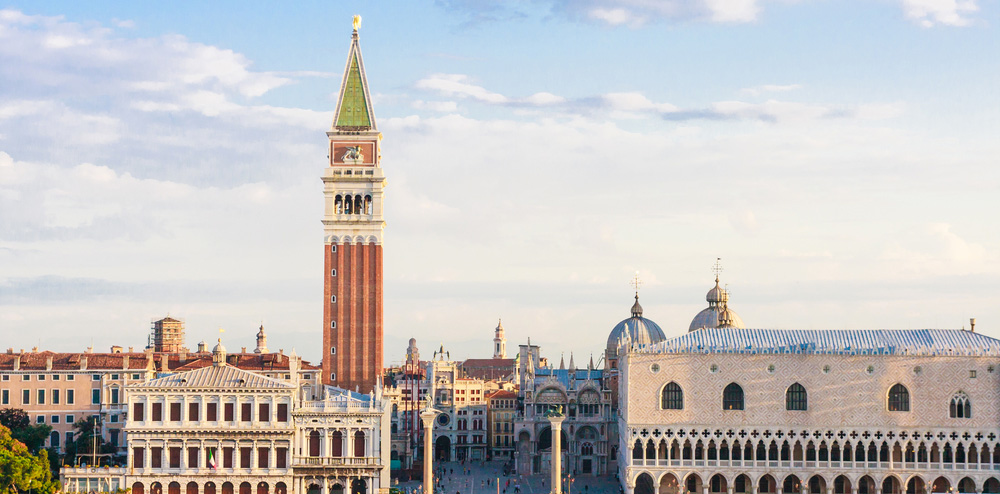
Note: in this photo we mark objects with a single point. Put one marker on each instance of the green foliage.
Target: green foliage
(20, 470)
(33, 436)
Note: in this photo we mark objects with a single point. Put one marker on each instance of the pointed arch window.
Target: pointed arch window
(960, 407)
(796, 398)
(732, 397)
(899, 398)
(672, 397)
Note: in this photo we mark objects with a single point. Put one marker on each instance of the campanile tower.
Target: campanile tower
(353, 226)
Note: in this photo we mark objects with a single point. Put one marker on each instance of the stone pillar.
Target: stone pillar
(427, 416)
(556, 420)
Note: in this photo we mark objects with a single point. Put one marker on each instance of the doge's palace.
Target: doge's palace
(731, 410)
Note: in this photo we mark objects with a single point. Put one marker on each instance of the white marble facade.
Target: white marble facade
(868, 412)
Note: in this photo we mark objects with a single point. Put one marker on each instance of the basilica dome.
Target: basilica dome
(639, 330)
(718, 314)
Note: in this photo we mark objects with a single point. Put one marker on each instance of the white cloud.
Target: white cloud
(946, 12)
(438, 106)
(459, 85)
(615, 17)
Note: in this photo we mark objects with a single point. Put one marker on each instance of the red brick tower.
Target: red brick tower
(353, 225)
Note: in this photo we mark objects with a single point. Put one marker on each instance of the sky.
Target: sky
(840, 157)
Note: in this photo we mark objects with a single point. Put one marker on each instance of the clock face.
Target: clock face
(443, 419)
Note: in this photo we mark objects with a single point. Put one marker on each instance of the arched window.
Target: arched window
(732, 397)
(795, 397)
(672, 397)
(899, 398)
(961, 406)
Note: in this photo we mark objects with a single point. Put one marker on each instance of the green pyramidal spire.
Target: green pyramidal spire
(354, 108)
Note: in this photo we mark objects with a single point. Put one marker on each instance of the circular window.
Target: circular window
(713, 368)
(655, 367)
(870, 370)
(917, 370)
(770, 369)
(826, 369)
(990, 369)
(443, 419)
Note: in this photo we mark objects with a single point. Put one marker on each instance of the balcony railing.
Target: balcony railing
(329, 461)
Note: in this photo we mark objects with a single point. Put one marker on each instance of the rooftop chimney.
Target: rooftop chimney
(83, 362)
(972, 324)
(48, 363)
(17, 362)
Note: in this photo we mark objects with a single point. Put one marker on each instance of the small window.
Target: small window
(55, 377)
(972, 374)
(333, 324)
(960, 406)
(6, 377)
(713, 368)
(653, 368)
(899, 399)
(40, 419)
(796, 398)
(770, 368)
(333, 248)
(41, 377)
(114, 377)
(25, 377)
(54, 419)
(95, 397)
(70, 396)
(333, 376)
(672, 397)
(333, 272)
(333, 350)
(826, 369)
(136, 376)
(26, 397)
(5, 399)
(70, 419)
(732, 397)
(95, 377)
(333, 299)
(307, 376)
(70, 377)
(870, 370)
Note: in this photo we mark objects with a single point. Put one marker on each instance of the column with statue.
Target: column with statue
(555, 417)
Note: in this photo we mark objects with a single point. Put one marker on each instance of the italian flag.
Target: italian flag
(211, 461)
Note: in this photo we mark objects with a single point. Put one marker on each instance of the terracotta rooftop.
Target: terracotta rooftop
(38, 361)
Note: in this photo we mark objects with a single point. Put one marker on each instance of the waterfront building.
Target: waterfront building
(502, 407)
(731, 410)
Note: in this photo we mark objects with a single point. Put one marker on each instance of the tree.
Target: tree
(17, 420)
(20, 470)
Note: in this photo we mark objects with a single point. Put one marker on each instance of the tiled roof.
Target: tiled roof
(488, 368)
(950, 342)
(37, 361)
(501, 394)
(224, 376)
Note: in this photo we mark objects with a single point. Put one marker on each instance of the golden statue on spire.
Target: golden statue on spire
(356, 22)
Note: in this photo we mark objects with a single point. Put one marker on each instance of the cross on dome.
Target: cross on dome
(636, 283)
(717, 268)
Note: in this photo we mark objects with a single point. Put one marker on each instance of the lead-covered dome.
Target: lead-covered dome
(718, 314)
(638, 329)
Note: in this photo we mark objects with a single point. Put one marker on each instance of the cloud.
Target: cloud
(438, 106)
(459, 85)
(947, 12)
(636, 105)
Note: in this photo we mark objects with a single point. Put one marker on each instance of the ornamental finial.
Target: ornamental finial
(356, 22)
(636, 283)
(717, 268)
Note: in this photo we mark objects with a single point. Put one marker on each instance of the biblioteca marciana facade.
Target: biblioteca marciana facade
(731, 410)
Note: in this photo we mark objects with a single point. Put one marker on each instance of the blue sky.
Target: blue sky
(841, 157)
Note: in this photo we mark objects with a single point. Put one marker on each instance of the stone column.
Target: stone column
(556, 420)
(427, 416)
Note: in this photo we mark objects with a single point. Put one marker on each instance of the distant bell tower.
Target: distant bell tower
(499, 342)
(353, 226)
